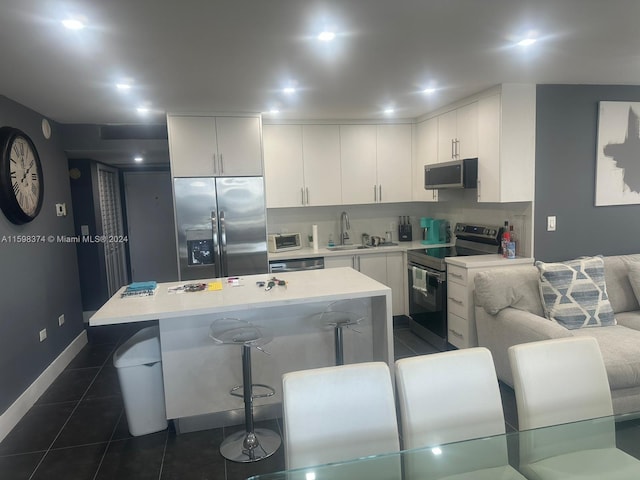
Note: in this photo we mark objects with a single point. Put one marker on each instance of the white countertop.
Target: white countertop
(302, 287)
(308, 252)
(490, 260)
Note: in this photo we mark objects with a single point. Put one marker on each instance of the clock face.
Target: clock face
(21, 185)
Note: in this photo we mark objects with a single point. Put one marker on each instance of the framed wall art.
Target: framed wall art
(618, 154)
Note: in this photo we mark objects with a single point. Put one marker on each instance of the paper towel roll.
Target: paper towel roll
(315, 238)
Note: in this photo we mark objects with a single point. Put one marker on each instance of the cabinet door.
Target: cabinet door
(426, 154)
(192, 145)
(239, 146)
(340, 261)
(394, 163)
(283, 165)
(395, 280)
(358, 159)
(321, 157)
(489, 154)
(374, 265)
(447, 129)
(467, 131)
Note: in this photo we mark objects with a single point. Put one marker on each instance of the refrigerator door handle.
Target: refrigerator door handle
(216, 250)
(223, 246)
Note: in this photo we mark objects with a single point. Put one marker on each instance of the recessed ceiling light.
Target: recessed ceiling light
(326, 36)
(73, 23)
(138, 159)
(274, 111)
(429, 91)
(289, 90)
(142, 110)
(389, 111)
(123, 87)
(526, 42)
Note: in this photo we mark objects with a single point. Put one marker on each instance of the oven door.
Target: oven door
(428, 304)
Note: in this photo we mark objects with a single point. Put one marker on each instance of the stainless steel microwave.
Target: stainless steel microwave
(457, 174)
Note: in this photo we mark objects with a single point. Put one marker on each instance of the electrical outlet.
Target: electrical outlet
(43, 334)
(61, 320)
(551, 223)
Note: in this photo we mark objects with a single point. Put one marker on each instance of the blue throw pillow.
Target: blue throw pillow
(574, 293)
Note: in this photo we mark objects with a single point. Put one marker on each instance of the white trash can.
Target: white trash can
(139, 367)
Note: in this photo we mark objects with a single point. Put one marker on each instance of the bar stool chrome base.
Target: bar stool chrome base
(245, 447)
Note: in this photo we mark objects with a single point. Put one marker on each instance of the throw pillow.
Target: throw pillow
(574, 293)
(634, 277)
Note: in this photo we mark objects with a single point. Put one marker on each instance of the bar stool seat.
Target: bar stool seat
(254, 443)
(340, 315)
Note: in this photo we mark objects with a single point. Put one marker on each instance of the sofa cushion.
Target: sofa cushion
(574, 293)
(619, 347)
(616, 275)
(515, 287)
(634, 277)
(629, 320)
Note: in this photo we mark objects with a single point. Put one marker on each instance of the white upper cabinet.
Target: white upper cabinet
(394, 163)
(358, 158)
(426, 154)
(376, 163)
(506, 145)
(201, 146)
(283, 167)
(458, 133)
(302, 165)
(321, 156)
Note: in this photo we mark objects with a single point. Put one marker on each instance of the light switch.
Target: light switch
(551, 223)
(61, 209)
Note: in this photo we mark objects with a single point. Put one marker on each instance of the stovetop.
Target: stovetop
(471, 240)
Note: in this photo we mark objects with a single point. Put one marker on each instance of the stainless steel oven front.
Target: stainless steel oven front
(428, 304)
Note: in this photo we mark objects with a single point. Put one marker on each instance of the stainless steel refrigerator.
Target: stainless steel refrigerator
(221, 226)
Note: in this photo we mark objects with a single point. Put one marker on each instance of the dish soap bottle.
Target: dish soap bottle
(331, 244)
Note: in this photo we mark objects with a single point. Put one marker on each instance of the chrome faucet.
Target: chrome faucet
(344, 226)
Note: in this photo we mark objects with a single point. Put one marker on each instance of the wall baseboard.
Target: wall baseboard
(21, 406)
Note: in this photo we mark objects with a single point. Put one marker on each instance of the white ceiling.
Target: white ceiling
(236, 55)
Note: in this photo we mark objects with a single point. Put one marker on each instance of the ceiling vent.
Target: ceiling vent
(133, 132)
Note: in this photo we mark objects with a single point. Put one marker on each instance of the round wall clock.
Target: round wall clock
(21, 184)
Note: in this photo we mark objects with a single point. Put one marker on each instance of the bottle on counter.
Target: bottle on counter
(506, 238)
(512, 235)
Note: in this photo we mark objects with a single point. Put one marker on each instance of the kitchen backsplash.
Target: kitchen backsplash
(376, 219)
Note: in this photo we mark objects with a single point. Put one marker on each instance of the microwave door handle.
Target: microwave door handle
(216, 246)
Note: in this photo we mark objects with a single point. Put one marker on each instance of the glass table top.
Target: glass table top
(604, 448)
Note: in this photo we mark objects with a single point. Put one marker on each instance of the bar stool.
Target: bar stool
(341, 315)
(254, 443)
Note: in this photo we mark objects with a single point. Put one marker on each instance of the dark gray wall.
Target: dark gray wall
(38, 282)
(566, 138)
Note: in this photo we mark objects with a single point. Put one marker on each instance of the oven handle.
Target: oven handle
(440, 276)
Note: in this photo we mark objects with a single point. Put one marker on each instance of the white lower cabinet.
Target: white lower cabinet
(461, 316)
(386, 268)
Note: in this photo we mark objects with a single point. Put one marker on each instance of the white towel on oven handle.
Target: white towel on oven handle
(419, 277)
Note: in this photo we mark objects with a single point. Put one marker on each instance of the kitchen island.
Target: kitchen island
(198, 373)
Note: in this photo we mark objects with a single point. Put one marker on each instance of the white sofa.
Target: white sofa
(509, 311)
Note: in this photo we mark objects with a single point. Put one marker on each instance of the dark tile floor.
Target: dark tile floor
(77, 430)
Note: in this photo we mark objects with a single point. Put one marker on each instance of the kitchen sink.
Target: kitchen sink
(346, 247)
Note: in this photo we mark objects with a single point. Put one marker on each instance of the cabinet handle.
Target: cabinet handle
(380, 193)
(433, 192)
(307, 189)
(453, 155)
(455, 275)
(455, 300)
(478, 189)
(457, 334)
(221, 164)
(215, 164)
(375, 194)
(302, 195)
(457, 143)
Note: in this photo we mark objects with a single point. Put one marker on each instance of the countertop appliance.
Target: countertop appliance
(427, 273)
(296, 265)
(434, 230)
(457, 174)
(221, 226)
(283, 242)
